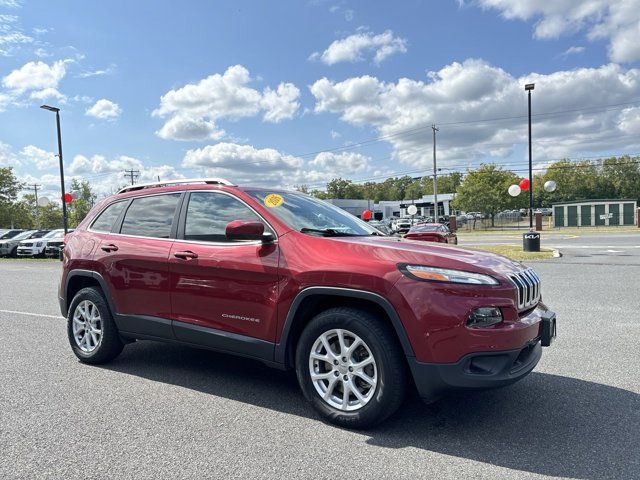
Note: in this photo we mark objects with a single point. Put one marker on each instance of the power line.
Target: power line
(574, 165)
(593, 109)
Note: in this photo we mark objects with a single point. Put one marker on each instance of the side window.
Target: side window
(208, 214)
(150, 216)
(106, 219)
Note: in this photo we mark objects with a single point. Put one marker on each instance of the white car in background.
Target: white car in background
(35, 247)
(55, 244)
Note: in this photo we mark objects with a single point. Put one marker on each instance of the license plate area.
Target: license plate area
(548, 329)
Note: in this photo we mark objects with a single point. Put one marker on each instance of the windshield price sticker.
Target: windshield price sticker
(273, 200)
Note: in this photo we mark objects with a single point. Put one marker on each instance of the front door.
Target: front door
(220, 286)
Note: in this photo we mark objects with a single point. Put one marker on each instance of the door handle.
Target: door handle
(186, 255)
(110, 248)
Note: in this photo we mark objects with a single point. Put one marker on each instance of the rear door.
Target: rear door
(227, 286)
(133, 260)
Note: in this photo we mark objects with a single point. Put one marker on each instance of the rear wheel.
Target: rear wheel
(350, 367)
(93, 334)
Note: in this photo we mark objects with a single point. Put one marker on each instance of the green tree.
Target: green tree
(83, 201)
(9, 188)
(486, 190)
(340, 188)
(50, 216)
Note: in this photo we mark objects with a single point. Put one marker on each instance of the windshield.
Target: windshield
(425, 228)
(54, 233)
(9, 234)
(24, 235)
(303, 212)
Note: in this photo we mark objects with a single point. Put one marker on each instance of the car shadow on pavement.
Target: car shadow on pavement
(545, 424)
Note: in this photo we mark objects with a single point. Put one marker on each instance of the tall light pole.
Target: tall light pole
(435, 177)
(64, 204)
(528, 87)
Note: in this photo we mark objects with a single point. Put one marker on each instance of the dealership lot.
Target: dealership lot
(162, 411)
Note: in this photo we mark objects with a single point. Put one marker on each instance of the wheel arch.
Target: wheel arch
(77, 280)
(312, 300)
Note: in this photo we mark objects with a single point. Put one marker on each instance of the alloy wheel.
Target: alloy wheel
(87, 326)
(343, 370)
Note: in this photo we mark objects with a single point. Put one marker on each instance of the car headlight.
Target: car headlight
(433, 274)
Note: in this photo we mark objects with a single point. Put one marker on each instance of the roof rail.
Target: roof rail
(210, 181)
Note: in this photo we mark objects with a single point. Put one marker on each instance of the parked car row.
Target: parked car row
(31, 243)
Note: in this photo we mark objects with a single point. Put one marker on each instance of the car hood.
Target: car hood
(400, 250)
(7, 240)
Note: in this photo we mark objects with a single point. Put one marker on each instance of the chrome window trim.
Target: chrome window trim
(95, 219)
(236, 243)
(182, 240)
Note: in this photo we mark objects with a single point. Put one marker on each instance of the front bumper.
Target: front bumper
(29, 251)
(481, 370)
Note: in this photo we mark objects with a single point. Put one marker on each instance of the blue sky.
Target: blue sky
(255, 90)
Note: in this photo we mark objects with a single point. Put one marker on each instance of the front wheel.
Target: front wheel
(350, 367)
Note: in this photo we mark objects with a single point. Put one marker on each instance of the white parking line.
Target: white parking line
(32, 314)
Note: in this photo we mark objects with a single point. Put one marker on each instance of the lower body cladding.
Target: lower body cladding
(482, 370)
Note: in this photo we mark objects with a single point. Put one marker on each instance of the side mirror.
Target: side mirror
(247, 230)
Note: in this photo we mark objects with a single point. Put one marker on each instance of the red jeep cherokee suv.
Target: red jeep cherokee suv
(295, 282)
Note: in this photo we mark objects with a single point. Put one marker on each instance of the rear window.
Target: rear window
(150, 216)
(105, 221)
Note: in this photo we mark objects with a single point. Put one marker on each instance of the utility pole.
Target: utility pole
(35, 187)
(132, 174)
(435, 176)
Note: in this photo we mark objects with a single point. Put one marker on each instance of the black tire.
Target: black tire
(390, 363)
(111, 344)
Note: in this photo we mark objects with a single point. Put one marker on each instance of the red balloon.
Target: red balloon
(366, 215)
(524, 184)
(68, 197)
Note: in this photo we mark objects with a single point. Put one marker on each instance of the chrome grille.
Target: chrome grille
(528, 285)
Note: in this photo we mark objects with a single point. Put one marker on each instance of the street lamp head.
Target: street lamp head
(50, 108)
(529, 86)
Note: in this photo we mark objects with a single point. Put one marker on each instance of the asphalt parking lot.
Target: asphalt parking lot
(163, 411)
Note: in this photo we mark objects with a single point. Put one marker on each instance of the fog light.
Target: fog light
(484, 317)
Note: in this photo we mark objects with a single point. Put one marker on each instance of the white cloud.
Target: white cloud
(96, 164)
(37, 78)
(281, 103)
(11, 3)
(98, 73)
(246, 164)
(240, 158)
(47, 93)
(225, 96)
(335, 134)
(618, 21)
(104, 110)
(347, 162)
(352, 48)
(7, 156)
(477, 91)
(186, 128)
(572, 51)
(11, 35)
(43, 160)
